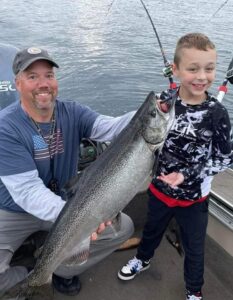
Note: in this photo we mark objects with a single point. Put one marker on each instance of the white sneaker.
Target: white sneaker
(132, 268)
(193, 296)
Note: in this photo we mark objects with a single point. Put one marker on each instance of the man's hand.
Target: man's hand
(101, 228)
(173, 179)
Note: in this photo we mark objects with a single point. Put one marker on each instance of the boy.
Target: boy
(198, 146)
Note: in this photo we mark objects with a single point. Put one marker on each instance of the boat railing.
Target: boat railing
(221, 198)
(221, 209)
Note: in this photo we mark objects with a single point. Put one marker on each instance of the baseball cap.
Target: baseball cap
(24, 58)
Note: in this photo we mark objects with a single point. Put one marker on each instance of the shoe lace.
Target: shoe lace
(135, 263)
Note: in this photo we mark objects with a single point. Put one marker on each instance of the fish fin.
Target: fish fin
(156, 161)
(81, 255)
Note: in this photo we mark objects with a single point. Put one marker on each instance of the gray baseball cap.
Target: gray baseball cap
(24, 58)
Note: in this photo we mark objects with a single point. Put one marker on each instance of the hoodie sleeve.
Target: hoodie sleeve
(220, 156)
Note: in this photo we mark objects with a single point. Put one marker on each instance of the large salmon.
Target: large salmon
(104, 189)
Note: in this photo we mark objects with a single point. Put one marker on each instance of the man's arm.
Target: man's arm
(106, 128)
(29, 192)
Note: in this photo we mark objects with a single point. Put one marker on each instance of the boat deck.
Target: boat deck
(163, 280)
(222, 187)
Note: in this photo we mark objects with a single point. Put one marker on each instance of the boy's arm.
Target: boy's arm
(222, 156)
(221, 153)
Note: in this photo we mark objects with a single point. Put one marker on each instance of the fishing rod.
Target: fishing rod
(221, 6)
(167, 71)
(109, 8)
(222, 90)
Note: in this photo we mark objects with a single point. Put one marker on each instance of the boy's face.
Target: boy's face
(196, 72)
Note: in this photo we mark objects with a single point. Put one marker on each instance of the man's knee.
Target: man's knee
(121, 229)
(5, 258)
(127, 226)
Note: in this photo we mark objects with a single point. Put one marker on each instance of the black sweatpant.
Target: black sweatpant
(192, 221)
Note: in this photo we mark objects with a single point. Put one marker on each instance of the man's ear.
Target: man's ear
(17, 83)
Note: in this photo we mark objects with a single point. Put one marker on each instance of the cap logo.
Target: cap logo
(34, 50)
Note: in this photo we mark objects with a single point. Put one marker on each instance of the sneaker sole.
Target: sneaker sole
(122, 277)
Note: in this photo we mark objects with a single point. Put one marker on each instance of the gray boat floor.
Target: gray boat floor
(164, 279)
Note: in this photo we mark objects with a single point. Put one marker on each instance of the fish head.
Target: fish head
(158, 119)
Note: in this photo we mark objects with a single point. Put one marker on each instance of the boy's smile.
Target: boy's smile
(196, 72)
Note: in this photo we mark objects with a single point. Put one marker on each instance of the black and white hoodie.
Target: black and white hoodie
(198, 145)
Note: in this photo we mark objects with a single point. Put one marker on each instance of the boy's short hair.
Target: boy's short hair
(192, 40)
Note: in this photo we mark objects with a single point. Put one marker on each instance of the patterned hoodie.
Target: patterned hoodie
(199, 146)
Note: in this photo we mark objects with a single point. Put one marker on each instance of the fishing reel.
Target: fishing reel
(229, 75)
(89, 151)
(168, 95)
(167, 71)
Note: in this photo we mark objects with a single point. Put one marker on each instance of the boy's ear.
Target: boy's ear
(174, 69)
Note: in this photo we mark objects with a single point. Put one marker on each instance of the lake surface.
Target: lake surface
(108, 54)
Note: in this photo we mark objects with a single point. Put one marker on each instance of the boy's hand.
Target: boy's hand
(173, 179)
(101, 228)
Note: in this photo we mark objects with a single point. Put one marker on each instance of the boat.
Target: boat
(8, 93)
(164, 279)
(220, 226)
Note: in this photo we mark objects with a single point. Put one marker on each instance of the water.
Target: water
(107, 51)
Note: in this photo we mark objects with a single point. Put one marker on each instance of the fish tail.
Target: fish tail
(23, 290)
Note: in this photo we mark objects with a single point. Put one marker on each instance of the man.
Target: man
(39, 148)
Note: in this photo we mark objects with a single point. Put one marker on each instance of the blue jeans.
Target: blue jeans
(192, 221)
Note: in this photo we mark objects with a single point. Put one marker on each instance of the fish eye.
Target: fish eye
(153, 113)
